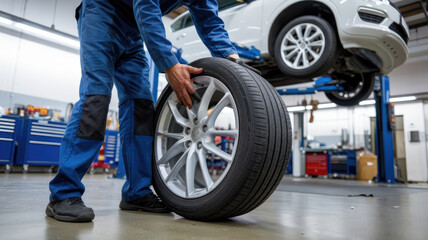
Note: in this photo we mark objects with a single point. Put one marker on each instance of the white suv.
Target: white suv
(351, 40)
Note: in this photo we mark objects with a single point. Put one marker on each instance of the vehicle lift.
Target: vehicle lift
(385, 120)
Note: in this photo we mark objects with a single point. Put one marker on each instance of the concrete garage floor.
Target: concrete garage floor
(299, 209)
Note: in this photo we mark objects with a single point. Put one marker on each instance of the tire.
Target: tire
(357, 87)
(260, 152)
(324, 55)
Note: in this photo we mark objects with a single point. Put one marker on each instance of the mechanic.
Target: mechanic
(112, 35)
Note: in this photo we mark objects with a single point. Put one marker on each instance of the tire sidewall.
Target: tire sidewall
(236, 176)
(328, 57)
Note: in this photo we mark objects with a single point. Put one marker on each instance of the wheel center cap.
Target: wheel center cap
(302, 45)
(196, 134)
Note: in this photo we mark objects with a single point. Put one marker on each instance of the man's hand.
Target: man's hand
(235, 56)
(178, 77)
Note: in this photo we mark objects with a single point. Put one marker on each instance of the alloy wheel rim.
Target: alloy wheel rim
(181, 152)
(302, 46)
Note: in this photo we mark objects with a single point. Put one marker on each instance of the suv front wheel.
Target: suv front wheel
(306, 47)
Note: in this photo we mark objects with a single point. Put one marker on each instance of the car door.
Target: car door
(242, 20)
(182, 34)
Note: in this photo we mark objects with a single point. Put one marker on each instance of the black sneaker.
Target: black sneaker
(70, 210)
(148, 203)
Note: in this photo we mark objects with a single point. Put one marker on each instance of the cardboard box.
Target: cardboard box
(366, 166)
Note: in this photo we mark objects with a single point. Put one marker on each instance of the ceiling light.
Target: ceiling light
(6, 21)
(296, 109)
(46, 34)
(327, 105)
(402, 99)
(367, 102)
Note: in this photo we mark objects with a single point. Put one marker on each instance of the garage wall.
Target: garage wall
(34, 70)
(416, 152)
(329, 122)
(46, 12)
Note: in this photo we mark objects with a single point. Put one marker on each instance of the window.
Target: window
(183, 22)
(188, 21)
(177, 24)
(225, 4)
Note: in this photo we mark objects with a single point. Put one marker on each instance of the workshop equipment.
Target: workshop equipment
(343, 162)
(317, 162)
(385, 120)
(39, 145)
(9, 130)
(385, 123)
(111, 150)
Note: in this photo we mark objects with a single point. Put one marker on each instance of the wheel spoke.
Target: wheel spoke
(297, 60)
(298, 30)
(318, 43)
(305, 59)
(225, 100)
(175, 149)
(171, 135)
(177, 167)
(307, 31)
(292, 53)
(191, 162)
(177, 116)
(205, 100)
(204, 168)
(317, 33)
(225, 133)
(291, 38)
(314, 54)
(214, 149)
(285, 48)
(190, 113)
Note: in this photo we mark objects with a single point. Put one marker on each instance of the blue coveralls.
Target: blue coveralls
(111, 37)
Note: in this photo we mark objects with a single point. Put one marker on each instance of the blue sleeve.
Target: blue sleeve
(210, 27)
(148, 16)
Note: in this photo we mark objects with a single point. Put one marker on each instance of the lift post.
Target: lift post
(385, 123)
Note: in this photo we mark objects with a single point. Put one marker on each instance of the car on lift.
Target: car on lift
(350, 40)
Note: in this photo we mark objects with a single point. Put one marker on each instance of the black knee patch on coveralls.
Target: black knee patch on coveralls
(143, 117)
(94, 117)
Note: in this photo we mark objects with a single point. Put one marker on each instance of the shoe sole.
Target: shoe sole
(84, 217)
(131, 207)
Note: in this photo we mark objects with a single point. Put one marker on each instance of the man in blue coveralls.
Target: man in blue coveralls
(112, 33)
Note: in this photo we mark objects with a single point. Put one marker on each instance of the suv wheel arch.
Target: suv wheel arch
(297, 10)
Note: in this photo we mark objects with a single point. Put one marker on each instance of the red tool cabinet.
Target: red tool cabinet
(316, 163)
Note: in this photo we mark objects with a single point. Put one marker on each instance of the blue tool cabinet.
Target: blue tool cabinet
(343, 162)
(40, 142)
(111, 148)
(9, 132)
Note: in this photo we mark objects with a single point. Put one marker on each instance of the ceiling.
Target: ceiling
(414, 12)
